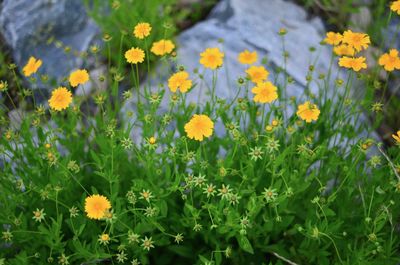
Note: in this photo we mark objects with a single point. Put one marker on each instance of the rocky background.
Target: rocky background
(236, 25)
(28, 26)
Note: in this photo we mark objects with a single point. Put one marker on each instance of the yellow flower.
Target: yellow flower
(395, 6)
(142, 30)
(247, 57)
(60, 99)
(390, 61)
(31, 66)
(355, 63)
(275, 123)
(308, 111)
(198, 127)
(78, 77)
(152, 140)
(104, 239)
(162, 47)
(397, 137)
(265, 92)
(282, 31)
(3, 86)
(212, 58)
(38, 215)
(333, 38)
(134, 55)
(180, 81)
(344, 50)
(358, 41)
(96, 206)
(257, 74)
(269, 128)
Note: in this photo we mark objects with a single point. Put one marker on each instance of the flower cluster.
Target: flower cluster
(348, 45)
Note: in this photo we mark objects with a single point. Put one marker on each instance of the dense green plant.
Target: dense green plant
(9, 73)
(269, 189)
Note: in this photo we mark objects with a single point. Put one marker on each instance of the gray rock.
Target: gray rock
(252, 25)
(390, 34)
(27, 26)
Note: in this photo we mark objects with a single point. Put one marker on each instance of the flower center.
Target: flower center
(97, 206)
(357, 39)
(212, 58)
(59, 98)
(257, 75)
(392, 59)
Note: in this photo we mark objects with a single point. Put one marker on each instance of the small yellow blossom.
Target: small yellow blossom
(390, 61)
(308, 111)
(344, 50)
(134, 55)
(3, 86)
(282, 31)
(358, 41)
(396, 137)
(198, 127)
(247, 57)
(152, 140)
(31, 66)
(212, 58)
(104, 239)
(96, 206)
(38, 215)
(142, 30)
(355, 63)
(78, 77)
(265, 92)
(257, 74)
(162, 47)
(395, 6)
(146, 195)
(333, 38)
(181, 81)
(147, 243)
(60, 99)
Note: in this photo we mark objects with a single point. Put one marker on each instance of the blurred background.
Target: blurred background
(70, 34)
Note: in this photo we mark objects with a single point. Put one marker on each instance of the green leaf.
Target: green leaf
(204, 260)
(183, 251)
(159, 226)
(163, 208)
(245, 244)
